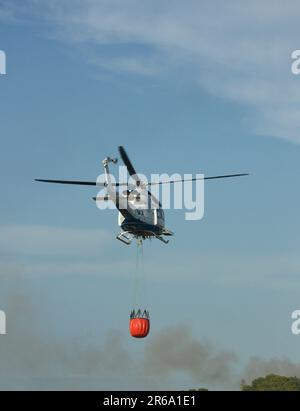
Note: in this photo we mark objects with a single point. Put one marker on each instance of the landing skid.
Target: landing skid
(124, 238)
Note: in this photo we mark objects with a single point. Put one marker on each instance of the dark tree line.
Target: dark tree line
(271, 382)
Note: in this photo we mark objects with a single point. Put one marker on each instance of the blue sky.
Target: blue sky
(183, 92)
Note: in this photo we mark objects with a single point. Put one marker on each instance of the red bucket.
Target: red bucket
(139, 327)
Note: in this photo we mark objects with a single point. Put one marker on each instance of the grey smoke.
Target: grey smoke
(30, 360)
(177, 350)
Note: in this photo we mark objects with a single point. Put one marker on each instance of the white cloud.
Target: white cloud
(239, 51)
(230, 270)
(44, 250)
(57, 251)
(126, 65)
(110, 268)
(28, 240)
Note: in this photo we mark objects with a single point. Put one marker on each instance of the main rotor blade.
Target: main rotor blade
(82, 183)
(194, 179)
(95, 183)
(126, 161)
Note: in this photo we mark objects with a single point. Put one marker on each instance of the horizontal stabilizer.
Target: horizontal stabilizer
(167, 232)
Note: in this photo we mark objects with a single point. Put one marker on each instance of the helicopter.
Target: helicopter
(141, 215)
